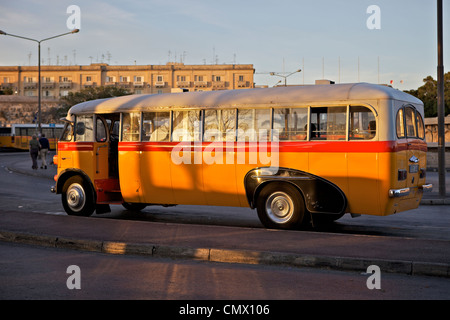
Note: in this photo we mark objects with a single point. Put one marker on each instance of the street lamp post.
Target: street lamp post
(39, 64)
(283, 76)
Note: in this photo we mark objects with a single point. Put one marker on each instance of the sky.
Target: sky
(326, 39)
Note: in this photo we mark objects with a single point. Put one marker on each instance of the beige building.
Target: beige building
(58, 81)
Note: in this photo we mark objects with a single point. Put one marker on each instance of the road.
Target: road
(30, 272)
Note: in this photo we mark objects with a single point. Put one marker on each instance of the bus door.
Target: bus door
(105, 157)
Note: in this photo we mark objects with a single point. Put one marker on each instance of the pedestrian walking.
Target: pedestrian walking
(43, 141)
(34, 151)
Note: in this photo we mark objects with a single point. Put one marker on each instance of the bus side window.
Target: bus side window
(130, 127)
(156, 126)
(363, 125)
(186, 125)
(254, 124)
(220, 125)
(290, 124)
(84, 128)
(328, 123)
(212, 126)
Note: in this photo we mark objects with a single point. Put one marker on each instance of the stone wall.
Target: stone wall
(431, 129)
(18, 109)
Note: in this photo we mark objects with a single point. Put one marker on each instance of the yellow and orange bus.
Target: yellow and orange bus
(18, 136)
(298, 155)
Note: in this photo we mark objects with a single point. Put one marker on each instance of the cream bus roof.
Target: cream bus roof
(269, 97)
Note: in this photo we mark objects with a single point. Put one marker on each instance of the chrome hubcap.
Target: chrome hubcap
(76, 197)
(279, 207)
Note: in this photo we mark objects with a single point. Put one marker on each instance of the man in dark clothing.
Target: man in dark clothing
(43, 141)
(34, 151)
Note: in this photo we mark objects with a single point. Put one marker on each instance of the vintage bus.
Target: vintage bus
(298, 155)
(18, 136)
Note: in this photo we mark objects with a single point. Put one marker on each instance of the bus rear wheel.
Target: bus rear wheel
(133, 206)
(280, 206)
(77, 197)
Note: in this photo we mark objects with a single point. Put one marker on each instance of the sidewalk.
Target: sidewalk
(350, 252)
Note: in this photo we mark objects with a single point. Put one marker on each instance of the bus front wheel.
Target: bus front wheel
(77, 197)
(280, 206)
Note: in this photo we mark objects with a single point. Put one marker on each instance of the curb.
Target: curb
(230, 255)
(435, 201)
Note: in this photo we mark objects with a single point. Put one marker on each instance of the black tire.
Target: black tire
(280, 206)
(325, 218)
(78, 197)
(133, 206)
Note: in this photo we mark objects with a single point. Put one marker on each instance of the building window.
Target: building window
(65, 79)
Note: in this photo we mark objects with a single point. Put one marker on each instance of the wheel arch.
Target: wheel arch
(319, 195)
(67, 174)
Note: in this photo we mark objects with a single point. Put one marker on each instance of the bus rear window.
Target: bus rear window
(420, 126)
(409, 123)
(400, 124)
(410, 120)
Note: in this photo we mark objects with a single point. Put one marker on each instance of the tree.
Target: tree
(88, 94)
(428, 94)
